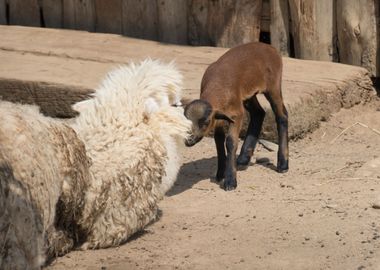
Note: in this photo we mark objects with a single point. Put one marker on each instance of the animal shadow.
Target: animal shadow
(191, 173)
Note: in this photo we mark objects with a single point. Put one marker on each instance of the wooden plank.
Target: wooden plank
(265, 16)
(24, 12)
(197, 22)
(279, 26)
(172, 21)
(231, 23)
(3, 12)
(52, 13)
(85, 15)
(357, 33)
(79, 14)
(140, 19)
(313, 29)
(108, 16)
(68, 7)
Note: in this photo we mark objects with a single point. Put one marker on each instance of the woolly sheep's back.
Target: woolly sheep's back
(35, 159)
(129, 154)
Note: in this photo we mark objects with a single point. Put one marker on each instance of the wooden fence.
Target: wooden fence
(344, 31)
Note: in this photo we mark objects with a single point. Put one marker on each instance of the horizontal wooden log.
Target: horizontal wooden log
(59, 72)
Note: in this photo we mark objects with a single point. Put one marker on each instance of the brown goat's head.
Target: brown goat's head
(202, 115)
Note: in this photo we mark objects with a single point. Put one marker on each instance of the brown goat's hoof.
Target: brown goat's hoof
(229, 185)
(243, 161)
(282, 166)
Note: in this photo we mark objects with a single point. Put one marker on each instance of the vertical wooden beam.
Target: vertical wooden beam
(279, 26)
(24, 12)
(358, 33)
(197, 22)
(52, 12)
(85, 15)
(172, 21)
(68, 13)
(313, 28)
(231, 23)
(140, 18)
(3, 12)
(108, 16)
(79, 14)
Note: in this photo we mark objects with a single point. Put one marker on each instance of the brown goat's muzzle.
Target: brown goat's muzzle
(192, 140)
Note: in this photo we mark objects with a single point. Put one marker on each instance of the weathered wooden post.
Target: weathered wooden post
(3, 14)
(24, 12)
(108, 14)
(279, 26)
(313, 28)
(52, 13)
(231, 23)
(140, 18)
(358, 33)
(172, 21)
(197, 22)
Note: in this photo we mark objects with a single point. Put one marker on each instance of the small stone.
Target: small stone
(337, 233)
(307, 238)
(227, 215)
(300, 215)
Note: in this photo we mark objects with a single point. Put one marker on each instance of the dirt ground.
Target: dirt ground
(319, 215)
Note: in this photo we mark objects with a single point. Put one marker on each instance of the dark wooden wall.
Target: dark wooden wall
(344, 31)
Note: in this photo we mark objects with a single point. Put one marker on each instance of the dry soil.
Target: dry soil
(319, 215)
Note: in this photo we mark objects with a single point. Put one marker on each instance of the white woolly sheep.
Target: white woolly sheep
(43, 176)
(101, 196)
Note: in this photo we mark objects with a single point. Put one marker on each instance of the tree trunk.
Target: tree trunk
(357, 33)
(279, 26)
(172, 21)
(140, 19)
(197, 23)
(24, 12)
(313, 29)
(108, 16)
(52, 12)
(231, 23)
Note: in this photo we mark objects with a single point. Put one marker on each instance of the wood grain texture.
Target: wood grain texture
(313, 29)
(3, 15)
(68, 12)
(24, 12)
(52, 13)
(197, 22)
(85, 15)
(358, 33)
(231, 23)
(140, 19)
(172, 21)
(108, 16)
(279, 26)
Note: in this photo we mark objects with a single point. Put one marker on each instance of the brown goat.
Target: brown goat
(228, 86)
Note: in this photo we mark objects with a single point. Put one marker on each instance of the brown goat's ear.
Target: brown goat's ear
(221, 116)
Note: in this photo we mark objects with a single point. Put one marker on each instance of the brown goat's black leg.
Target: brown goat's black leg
(232, 141)
(220, 139)
(257, 114)
(281, 115)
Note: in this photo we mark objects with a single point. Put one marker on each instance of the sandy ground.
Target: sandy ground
(319, 215)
